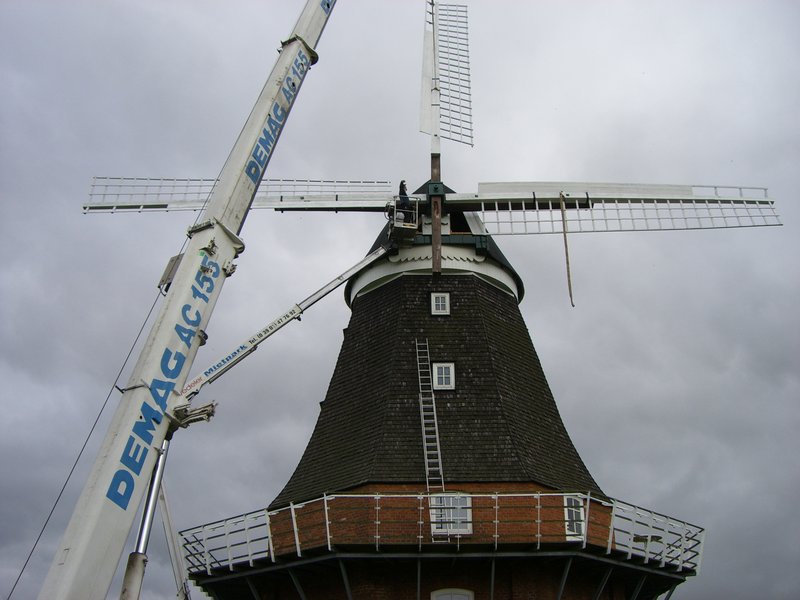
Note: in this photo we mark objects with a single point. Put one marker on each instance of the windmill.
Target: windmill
(590, 201)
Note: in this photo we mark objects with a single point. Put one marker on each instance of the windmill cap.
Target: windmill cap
(489, 247)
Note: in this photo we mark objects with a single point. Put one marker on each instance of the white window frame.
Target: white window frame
(574, 518)
(443, 307)
(451, 513)
(448, 381)
(447, 594)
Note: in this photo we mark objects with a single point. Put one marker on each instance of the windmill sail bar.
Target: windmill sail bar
(446, 107)
(131, 194)
(530, 208)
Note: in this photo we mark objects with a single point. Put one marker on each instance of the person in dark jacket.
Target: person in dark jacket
(404, 204)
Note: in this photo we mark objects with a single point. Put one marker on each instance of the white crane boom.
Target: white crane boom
(213, 372)
(91, 548)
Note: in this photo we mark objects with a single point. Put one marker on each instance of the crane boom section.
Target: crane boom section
(89, 553)
(244, 349)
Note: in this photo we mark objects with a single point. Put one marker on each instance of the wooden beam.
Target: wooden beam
(419, 578)
(564, 579)
(436, 233)
(491, 582)
(297, 586)
(436, 216)
(345, 580)
(253, 589)
(603, 583)
(639, 586)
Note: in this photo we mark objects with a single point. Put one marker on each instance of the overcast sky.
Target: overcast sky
(676, 373)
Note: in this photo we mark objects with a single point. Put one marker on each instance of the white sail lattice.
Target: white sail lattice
(497, 208)
(446, 70)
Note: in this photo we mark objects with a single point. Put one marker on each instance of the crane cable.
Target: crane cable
(114, 386)
(91, 431)
(83, 447)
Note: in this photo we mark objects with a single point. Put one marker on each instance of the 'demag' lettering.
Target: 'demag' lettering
(131, 462)
(262, 150)
(173, 360)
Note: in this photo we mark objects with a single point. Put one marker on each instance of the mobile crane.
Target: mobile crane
(90, 550)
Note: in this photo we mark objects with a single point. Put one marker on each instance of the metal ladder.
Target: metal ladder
(434, 478)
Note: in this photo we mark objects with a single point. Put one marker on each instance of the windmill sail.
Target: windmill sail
(126, 194)
(533, 208)
(446, 107)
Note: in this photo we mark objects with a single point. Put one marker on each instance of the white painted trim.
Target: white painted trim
(456, 260)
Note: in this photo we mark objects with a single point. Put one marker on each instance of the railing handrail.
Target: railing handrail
(393, 518)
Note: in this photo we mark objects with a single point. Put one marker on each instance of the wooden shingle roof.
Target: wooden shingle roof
(500, 423)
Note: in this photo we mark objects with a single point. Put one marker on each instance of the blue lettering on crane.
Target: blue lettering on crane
(225, 361)
(327, 5)
(262, 150)
(173, 360)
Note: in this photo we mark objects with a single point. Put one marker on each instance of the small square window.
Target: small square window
(452, 594)
(444, 376)
(440, 303)
(451, 513)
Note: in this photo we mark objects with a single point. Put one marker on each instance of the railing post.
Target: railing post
(665, 534)
(648, 539)
(228, 544)
(327, 521)
(206, 554)
(294, 527)
(270, 546)
(538, 520)
(496, 520)
(586, 518)
(611, 525)
(420, 519)
(377, 521)
(247, 541)
(634, 523)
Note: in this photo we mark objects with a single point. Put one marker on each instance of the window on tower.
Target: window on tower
(451, 514)
(452, 594)
(574, 518)
(440, 303)
(444, 377)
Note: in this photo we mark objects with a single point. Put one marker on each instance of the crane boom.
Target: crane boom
(87, 558)
(215, 371)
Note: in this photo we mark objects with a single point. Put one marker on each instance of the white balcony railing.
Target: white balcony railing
(408, 522)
